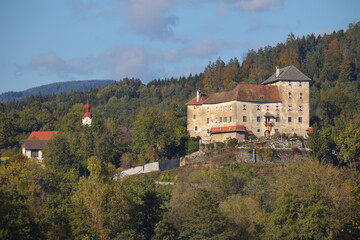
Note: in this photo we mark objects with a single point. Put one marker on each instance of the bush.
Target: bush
(233, 142)
(193, 145)
(220, 145)
(210, 146)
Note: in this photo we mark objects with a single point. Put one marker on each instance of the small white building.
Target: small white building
(87, 118)
(35, 143)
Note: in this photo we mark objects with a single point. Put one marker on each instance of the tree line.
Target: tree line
(74, 197)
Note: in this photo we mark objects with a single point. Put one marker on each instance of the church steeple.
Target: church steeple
(87, 118)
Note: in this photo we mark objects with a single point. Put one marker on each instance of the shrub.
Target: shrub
(232, 142)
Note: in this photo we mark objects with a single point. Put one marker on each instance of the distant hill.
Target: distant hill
(59, 87)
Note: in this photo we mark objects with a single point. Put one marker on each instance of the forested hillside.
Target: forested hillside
(74, 197)
(53, 88)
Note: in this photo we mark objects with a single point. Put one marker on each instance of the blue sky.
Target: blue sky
(46, 41)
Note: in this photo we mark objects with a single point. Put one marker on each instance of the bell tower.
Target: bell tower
(87, 118)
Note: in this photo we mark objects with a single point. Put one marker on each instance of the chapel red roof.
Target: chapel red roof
(238, 128)
(42, 135)
(87, 108)
(87, 114)
(37, 140)
(242, 92)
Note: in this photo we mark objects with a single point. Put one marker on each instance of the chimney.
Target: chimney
(197, 95)
(277, 71)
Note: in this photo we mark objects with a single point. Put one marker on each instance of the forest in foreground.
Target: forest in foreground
(74, 197)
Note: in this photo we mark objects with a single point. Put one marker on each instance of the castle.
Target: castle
(279, 105)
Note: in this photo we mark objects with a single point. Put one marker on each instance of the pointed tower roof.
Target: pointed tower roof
(87, 108)
(289, 73)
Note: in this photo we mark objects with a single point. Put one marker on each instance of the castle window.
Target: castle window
(207, 109)
(300, 108)
(289, 95)
(289, 119)
(196, 128)
(267, 108)
(301, 96)
(244, 107)
(194, 116)
(258, 119)
(300, 119)
(207, 120)
(289, 108)
(300, 84)
(258, 107)
(277, 108)
(277, 119)
(244, 118)
(225, 119)
(229, 119)
(220, 119)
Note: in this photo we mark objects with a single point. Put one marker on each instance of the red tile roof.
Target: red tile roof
(41, 135)
(37, 140)
(203, 97)
(238, 128)
(87, 114)
(242, 92)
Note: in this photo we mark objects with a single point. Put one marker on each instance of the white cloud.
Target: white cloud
(258, 5)
(50, 63)
(204, 48)
(152, 18)
(79, 7)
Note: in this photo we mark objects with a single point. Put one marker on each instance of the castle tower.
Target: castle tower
(87, 118)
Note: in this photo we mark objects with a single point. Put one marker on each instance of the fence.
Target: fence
(150, 167)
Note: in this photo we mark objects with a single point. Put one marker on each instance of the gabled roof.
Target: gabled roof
(35, 144)
(289, 73)
(238, 128)
(242, 92)
(42, 135)
(203, 97)
(37, 140)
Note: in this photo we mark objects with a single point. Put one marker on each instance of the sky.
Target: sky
(47, 41)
